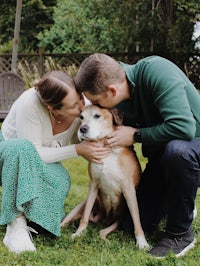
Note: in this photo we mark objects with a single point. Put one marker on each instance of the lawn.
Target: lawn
(90, 250)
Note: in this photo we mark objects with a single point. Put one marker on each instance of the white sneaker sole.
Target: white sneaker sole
(186, 249)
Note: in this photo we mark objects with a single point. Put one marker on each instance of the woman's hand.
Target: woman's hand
(92, 151)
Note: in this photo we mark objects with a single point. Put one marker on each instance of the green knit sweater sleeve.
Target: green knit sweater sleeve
(165, 86)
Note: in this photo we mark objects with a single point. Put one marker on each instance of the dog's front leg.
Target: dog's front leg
(92, 195)
(131, 199)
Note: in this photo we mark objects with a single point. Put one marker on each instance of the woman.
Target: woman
(34, 139)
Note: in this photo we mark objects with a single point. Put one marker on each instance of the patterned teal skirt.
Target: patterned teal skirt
(31, 186)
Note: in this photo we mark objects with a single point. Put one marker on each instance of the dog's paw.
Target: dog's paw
(63, 224)
(75, 235)
(141, 242)
(103, 235)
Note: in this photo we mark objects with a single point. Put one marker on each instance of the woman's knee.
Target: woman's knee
(14, 146)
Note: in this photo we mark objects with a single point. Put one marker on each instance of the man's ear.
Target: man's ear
(84, 99)
(112, 90)
(117, 117)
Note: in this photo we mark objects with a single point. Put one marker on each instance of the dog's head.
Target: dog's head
(97, 122)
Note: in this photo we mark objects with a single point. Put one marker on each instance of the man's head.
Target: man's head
(102, 80)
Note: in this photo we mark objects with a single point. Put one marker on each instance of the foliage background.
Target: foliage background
(68, 26)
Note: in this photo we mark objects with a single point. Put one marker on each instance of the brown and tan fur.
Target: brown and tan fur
(112, 183)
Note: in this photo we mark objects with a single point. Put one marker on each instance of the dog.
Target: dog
(112, 183)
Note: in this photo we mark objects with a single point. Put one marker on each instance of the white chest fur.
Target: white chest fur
(108, 176)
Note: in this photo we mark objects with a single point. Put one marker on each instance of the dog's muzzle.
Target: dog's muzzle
(82, 132)
(84, 129)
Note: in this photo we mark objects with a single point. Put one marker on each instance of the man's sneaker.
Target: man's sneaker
(18, 237)
(179, 245)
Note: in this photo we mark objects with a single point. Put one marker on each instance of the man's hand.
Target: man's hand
(122, 136)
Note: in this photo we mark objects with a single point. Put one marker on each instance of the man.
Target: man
(162, 111)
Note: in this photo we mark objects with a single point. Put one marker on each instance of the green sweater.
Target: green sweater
(164, 104)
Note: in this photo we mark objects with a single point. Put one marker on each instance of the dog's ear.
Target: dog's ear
(117, 117)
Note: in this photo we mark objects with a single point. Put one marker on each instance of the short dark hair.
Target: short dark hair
(97, 72)
(53, 87)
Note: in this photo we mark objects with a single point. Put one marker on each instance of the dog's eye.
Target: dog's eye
(81, 117)
(96, 116)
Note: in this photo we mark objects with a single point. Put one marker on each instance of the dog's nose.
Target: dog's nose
(84, 129)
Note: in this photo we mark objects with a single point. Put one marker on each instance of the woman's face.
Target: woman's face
(73, 104)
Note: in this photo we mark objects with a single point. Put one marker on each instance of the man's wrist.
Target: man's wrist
(137, 136)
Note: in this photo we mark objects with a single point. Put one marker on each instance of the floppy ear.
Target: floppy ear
(117, 117)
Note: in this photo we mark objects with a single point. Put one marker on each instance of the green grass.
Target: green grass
(90, 250)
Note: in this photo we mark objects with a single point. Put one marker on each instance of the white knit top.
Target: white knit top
(29, 119)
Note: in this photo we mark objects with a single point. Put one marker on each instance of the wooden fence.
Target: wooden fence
(42, 62)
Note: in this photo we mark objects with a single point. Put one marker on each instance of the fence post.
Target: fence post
(41, 61)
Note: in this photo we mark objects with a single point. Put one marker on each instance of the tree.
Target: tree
(102, 25)
(36, 16)
(7, 20)
(174, 25)
(79, 26)
(125, 26)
